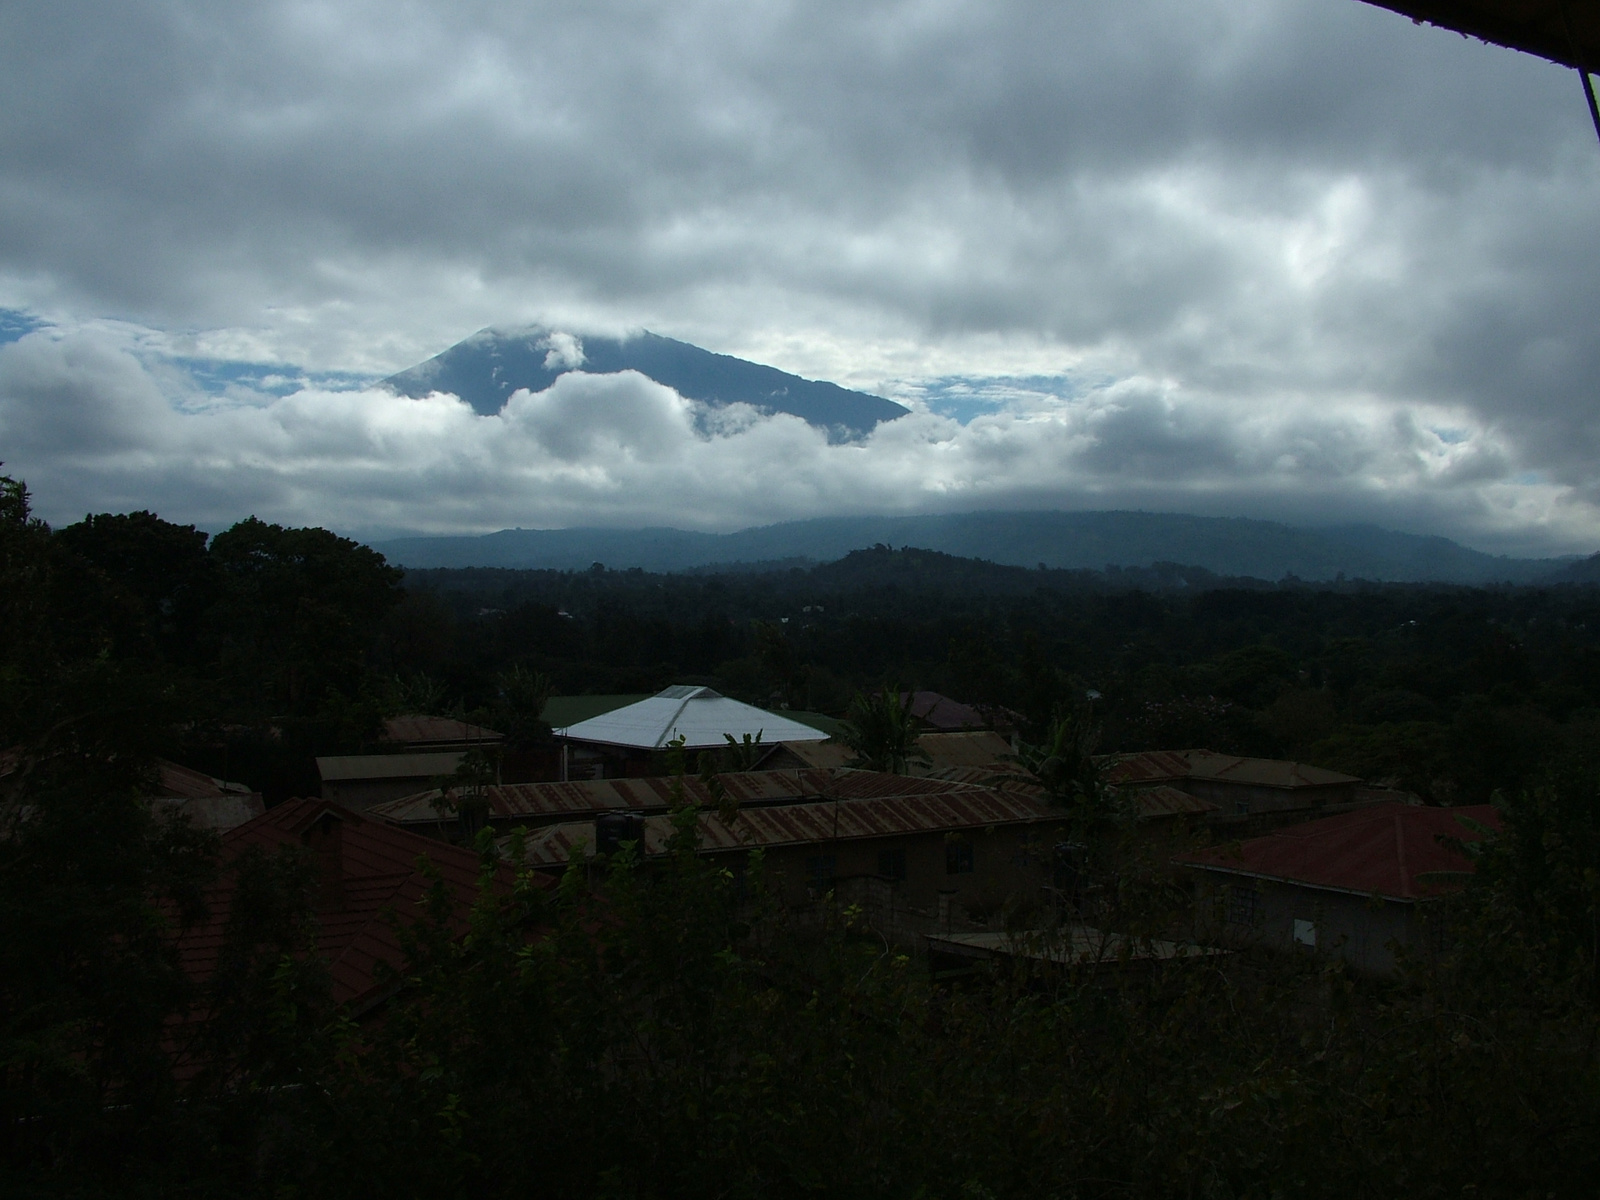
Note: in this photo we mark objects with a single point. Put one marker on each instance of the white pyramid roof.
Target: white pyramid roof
(697, 714)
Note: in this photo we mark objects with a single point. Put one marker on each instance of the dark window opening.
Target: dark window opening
(892, 863)
(821, 868)
(958, 857)
(1242, 904)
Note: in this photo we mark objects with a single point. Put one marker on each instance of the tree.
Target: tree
(881, 730)
(299, 610)
(1063, 767)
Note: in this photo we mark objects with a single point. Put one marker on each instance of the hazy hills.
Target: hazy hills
(488, 366)
(1082, 540)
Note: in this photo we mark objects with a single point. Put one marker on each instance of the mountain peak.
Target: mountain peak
(486, 368)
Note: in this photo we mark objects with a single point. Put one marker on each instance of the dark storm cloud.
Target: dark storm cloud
(1340, 265)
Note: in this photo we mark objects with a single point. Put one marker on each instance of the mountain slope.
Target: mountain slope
(488, 366)
(1226, 546)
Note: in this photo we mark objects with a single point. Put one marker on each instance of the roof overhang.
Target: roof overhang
(1563, 31)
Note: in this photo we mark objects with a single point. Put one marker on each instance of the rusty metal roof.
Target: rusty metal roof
(183, 783)
(1570, 37)
(812, 754)
(417, 729)
(540, 802)
(951, 810)
(1385, 850)
(1161, 800)
(973, 748)
(942, 712)
(1168, 766)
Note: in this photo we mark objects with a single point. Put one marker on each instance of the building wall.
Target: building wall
(1238, 911)
(974, 874)
(364, 793)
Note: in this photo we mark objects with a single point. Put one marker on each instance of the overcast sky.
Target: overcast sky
(1294, 259)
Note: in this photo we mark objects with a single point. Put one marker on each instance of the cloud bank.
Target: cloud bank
(85, 417)
(1295, 258)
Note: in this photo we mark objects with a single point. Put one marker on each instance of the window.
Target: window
(821, 869)
(1305, 933)
(892, 863)
(958, 857)
(1242, 904)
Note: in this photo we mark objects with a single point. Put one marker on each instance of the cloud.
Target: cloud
(1276, 245)
(89, 427)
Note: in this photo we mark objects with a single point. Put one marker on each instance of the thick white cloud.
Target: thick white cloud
(1300, 258)
(91, 430)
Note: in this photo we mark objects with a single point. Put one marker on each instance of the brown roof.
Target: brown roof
(184, 783)
(1538, 27)
(1158, 801)
(419, 730)
(973, 748)
(814, 754)
(1385, 850)
(942, 712)
(1168, 766)
(380, 876)
(954, 808)
(539, 802)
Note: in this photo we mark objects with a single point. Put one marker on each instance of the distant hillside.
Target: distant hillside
(1089, 540)
(488, 366)
(1584, 570)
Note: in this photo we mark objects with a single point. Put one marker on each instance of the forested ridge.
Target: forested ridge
(667, 1031)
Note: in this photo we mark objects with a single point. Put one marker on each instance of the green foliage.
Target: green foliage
(880, 729)
(297, 608)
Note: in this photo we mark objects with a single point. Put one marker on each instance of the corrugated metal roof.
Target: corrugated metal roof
(942, 712)
(1166, 766)
(802, 824)
(1148, 766)
(417, 728)
(175, 782)
(699, 715)
(1382, 850)
(823, 755)
(550, 801)
(1158, 801)
(976, 748)
(344, 767)
(1166, 801)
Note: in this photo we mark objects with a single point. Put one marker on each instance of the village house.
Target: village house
(505, 806)
(370, 877)
(627, 742)
(417, 750)
(1239, 787)
(1352, 885)
(914, 857)
(207, 802)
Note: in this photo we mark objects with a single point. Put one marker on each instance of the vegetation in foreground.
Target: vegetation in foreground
(664, 1032)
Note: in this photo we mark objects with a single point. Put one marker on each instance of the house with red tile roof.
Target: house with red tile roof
(372, 875)
(1353, 885)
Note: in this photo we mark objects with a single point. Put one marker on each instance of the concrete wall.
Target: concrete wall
(1287, 917)
(1010, 865)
